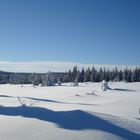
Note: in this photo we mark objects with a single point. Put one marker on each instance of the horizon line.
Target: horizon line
(54, 66)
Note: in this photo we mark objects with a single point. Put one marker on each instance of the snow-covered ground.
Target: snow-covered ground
(70, 113)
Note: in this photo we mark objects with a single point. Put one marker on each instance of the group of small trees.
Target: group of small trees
(95, 75)
(48, 79)
(45, 79)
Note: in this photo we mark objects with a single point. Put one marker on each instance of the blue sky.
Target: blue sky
(84, 31)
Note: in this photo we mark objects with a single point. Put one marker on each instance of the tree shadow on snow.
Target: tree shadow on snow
(121, 89)
(47, 100)
(37, 99)
(72, 120)
(6, 96)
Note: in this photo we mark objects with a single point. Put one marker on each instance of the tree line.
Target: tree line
(84, 75)
(94, 75)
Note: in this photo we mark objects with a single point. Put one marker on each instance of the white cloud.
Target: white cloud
(45, 66)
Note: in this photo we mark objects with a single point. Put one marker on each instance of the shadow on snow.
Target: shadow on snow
(121, 89)
(47, 100)
(72, 120)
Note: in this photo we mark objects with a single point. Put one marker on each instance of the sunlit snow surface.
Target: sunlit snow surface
(70, 113)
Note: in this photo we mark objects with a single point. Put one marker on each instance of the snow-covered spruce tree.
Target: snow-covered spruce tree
(129, 77)
(75, 83)
(34, 79)
(136, 75)
(93, 75)
(101, 75)
(107, 75)
(82, 75)
(120, 75)
(69, 76)
(112, 75)
(44, 80)
(125, 75)
(74, 73)
(116, 75)
(66, 77)
(87, 75)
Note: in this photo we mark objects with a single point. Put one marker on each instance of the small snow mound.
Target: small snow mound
(77, 95)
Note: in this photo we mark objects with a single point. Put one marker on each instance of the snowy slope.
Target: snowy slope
(72, 113)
